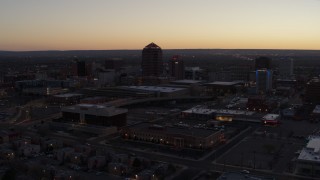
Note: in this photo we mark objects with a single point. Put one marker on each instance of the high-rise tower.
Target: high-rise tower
(152, 64)
(176, 67)
(262, 63)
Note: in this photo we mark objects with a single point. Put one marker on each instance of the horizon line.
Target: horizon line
(162, 49)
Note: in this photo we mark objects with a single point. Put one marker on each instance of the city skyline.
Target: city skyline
(102, 25)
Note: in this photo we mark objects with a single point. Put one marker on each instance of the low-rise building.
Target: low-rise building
(21, 142)
(42, 87)
(51, 144)
(199, 112)
(218, 87)
(261, 104)
(315, 115)
(179, 137)
(7, 153)
(96, 162)
(223, 115)
(65, 99)
(270, 119)
(288, 113)
(95, 115)
(86, 150)
(308, 162)
(64, 154)
(94, 100)
(245, 175)
(78, 158)
(159, 91)
(117, 168)
(29, 150)
(4, 137)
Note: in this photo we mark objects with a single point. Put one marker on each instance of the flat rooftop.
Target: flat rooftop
(187, 81)
(162, 89)
(68, 95)
(242, 176)
(224, 83)
(94, 98)
(186, 131)
(204, 111)
(270, 117)
(94, 109)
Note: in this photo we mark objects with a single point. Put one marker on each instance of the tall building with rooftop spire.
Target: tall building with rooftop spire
(152, 64)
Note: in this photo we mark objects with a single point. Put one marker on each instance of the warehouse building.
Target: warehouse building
(180, 137)
(95, 115)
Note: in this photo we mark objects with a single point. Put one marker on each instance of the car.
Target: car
(245, 171)
(50, 156)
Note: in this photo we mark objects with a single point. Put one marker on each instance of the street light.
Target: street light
(254, 159)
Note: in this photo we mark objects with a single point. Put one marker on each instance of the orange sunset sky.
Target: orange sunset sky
(173, 24)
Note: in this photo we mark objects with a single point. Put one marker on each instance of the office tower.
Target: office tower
(176, 67)
(78, 68)
(263, 81)
(312, 91)
(81, 68)
(262, 63)
(115, 64)
(152, 64)
(195, 73)
(286, 68)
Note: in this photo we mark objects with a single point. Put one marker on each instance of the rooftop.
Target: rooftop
(316, 109)
(94, 109)
(94, 98)
(224, 83)
(241, 176)
(187, 81)
(68, 95)
(155, 88)
(187, 131)
(270, 117)
(152, 46)
(314, 80)
(312, 151)
(201, 110)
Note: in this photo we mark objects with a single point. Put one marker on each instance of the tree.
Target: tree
(136, 163)
(171, 168)
(10, 174)
(269, 148)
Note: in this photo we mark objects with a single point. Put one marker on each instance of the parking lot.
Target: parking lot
(262, 153)
(271, 148)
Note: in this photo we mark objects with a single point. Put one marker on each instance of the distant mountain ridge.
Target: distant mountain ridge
(117, 53)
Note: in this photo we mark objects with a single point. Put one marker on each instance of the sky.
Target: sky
(172, 24)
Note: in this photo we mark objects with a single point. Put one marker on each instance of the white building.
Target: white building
(308, 162)
(271, 119)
